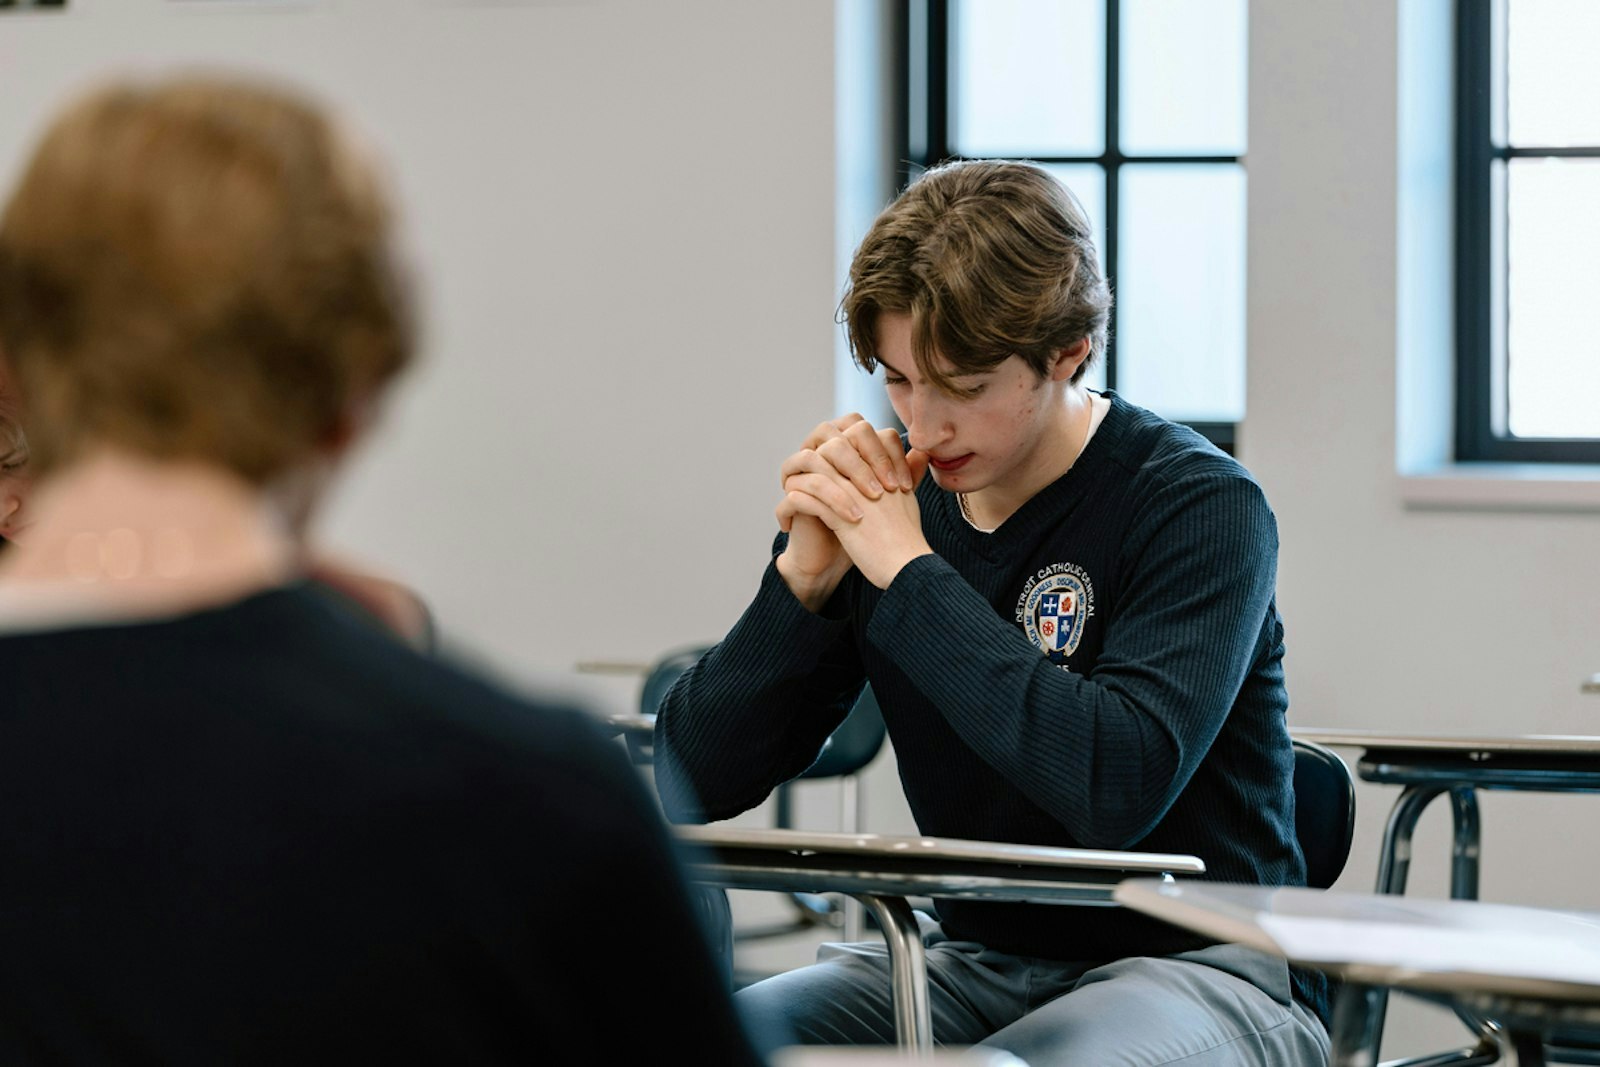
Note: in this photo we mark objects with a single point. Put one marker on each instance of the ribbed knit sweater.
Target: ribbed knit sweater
(1104, 670)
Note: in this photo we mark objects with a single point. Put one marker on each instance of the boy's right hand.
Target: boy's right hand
(814, 563)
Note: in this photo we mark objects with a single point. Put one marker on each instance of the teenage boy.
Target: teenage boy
(242, 823)
(1065, 606)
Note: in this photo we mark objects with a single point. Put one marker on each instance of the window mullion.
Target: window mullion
(1474, 243)
(1112, 159)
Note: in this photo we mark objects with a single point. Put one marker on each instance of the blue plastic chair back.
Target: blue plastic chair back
(1324, 811)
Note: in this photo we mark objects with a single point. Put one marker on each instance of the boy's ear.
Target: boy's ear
(1069, 359)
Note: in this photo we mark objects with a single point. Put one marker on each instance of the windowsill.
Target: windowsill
(1503, 487)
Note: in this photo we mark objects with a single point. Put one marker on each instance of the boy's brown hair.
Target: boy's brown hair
(990, 258)
(197, 268)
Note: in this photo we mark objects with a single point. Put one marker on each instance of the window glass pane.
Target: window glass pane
(1088, 183)
(1183, 77)
(1553, 351)
(1180, 290)
(1027, 77)
(1552, 80)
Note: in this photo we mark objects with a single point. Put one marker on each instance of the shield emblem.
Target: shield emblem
(1056, 618)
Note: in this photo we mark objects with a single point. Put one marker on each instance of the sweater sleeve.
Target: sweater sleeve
(1107, 753)
(757, 708)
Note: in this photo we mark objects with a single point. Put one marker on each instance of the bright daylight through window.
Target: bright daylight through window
(1140, 109)
(1528, 225)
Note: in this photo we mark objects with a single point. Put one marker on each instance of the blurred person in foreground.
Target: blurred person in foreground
(389, 602)
(243, 824)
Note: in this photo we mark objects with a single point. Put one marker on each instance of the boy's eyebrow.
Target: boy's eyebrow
(964, 374)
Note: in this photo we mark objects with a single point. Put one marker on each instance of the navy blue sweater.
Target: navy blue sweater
(1102, 671)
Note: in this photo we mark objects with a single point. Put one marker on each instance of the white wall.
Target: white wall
(1447, 620)
(622, 212)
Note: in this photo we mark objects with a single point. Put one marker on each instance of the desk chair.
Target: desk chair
(1324, 811)
(1324, 817)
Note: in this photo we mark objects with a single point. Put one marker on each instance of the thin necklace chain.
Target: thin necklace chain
(966, 513)
(1088, 429)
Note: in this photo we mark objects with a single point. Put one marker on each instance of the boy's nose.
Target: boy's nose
(924, 439)
(930, 424)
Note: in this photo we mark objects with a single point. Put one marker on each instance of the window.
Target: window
(1527, 230)
(1140, 109)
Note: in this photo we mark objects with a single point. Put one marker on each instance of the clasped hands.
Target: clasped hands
(849, 499)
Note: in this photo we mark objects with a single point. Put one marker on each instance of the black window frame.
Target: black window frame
(924, 53)
(1480, 283)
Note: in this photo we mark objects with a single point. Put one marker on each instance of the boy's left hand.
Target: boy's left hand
(889, 533)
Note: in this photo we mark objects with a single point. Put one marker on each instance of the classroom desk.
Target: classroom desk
(1533, 970)
(1428, 766)
(883, 871)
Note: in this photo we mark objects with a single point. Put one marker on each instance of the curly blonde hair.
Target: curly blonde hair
(197, 268)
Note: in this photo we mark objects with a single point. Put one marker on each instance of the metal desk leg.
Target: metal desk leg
(1394, 865)
(1357, 1024)
(908, 963)
(1464, 851)
(852, 796)
(1394, 862)
(1527, 1050)
(1490, 1049)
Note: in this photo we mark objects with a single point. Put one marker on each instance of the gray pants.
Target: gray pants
(1224, 1005)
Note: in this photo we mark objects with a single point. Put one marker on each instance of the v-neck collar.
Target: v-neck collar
(1049, 503)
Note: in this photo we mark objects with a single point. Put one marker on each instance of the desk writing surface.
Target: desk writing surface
(945, 868)
(1389, 940)
(1385, 740)
(933, 850)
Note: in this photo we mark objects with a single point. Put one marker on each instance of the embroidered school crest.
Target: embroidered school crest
(1057, 616)
(1054, 607)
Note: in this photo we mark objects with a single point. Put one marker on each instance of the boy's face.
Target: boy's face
(994, 436)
